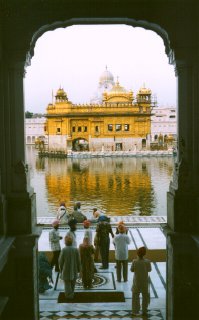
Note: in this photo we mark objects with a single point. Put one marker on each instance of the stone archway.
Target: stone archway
(76, 145)
(80, 144)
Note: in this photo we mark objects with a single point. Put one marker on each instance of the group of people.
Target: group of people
(64, 216)
(72, 260)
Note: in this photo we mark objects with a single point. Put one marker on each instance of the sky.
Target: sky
(75, 57)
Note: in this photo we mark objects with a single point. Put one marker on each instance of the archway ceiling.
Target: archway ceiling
(25, 21)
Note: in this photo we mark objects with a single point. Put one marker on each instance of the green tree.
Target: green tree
(28, 114)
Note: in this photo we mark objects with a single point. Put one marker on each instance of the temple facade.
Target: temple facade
(114, 120)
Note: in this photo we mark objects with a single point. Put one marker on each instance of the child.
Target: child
(140, 267)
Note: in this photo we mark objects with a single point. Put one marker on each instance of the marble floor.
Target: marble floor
(105, 280)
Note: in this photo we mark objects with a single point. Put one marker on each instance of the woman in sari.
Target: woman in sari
(86, 251)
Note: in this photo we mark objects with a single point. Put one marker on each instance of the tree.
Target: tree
(28, 114)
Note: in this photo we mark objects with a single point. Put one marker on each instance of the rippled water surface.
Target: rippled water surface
(116, 186)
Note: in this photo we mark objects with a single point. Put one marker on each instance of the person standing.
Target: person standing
(87, 263)
(71, 233)
(103, 229)
(117, 228)
(69, 262)
(88, 231)
(54, 239)
(141, 267)
(121, 242)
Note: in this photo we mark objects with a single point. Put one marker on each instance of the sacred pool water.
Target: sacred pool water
(116, 186)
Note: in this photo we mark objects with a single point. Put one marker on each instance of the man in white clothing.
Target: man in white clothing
(54, 239)
(121, 242)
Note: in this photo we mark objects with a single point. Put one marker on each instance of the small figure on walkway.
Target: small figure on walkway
(87, 263)
(62, 214)
(78, 205)
(103, 229)
(96, 213)
(141, 267)
(45, 273)
(77, 214)
(71, 233)
(121, 242)
(54, 239)
(69, 262)
(88, 231)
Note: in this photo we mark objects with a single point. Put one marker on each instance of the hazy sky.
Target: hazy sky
(75, 57)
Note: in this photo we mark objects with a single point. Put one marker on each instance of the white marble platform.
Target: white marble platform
(152, 238)
(132, 220)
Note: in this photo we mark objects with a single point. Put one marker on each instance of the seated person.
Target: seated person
(62, 214)
(45, 273)
(77, 215)
(97, 214)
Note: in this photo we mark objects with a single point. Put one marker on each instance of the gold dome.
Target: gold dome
(61, 95)
(144, 90)
(117, 88)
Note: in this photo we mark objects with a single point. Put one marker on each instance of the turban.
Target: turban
(102, 218)
(120, 222)
(121, 228)
(55, 223)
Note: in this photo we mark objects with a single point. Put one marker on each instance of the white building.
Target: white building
(164, 123)
(34, 129)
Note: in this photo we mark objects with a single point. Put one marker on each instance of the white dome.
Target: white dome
(106, 76)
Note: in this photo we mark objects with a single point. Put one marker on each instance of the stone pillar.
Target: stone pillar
(183, 203)
(20, 200)
(184, 189)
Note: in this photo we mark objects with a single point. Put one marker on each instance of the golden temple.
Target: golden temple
(114, 120)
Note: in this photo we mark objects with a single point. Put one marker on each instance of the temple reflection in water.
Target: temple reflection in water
(117, 186)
